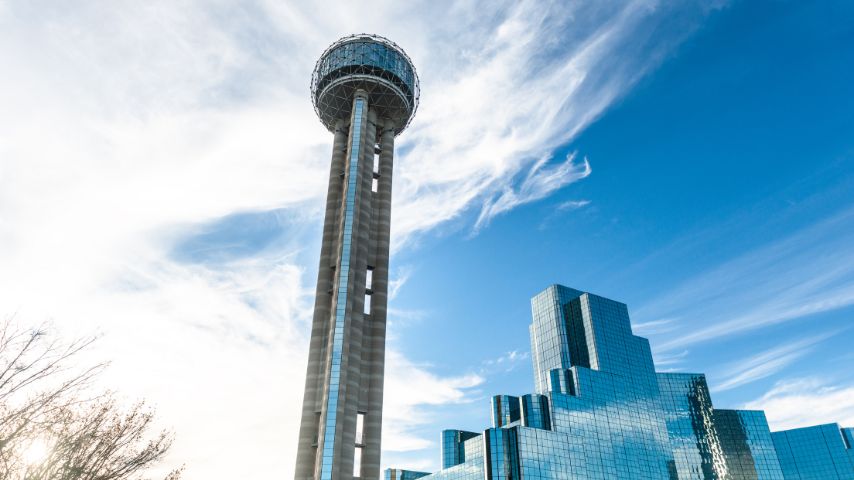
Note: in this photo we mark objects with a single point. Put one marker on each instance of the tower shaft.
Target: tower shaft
(341, 419)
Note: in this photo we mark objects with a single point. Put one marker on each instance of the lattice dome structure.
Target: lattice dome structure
(371, 63)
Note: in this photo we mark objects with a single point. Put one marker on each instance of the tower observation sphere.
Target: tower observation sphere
(371, 63)
(365, 90)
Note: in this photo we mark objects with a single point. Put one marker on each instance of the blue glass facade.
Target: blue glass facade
(601, 411)
(535, 411)
(367, 55)
(697, 452)
(848, 437)
(549, 338)
(813, 453)
(398, 474)
(454, 447)
(505, 410)
(748, 449)
(331, 423)
(472, 468)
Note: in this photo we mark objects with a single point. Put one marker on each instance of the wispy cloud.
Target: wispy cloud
(561, 208)
(514, 85)
(654, 326)
(669, 360)
(130, 127)
(395, 284)
(506, 362)
(803, 402)
(766, 363)
(410, 390)
(806, 273)
(573, 204)
(540, 182)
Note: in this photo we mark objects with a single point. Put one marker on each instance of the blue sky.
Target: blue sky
(721, 186)
(162, 183)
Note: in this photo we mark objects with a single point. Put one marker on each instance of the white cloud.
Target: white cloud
(573, 204)
(511, 87)
(653, 326)
(505, 363)
(540, 182)
(410, 387)
(512, 356)
(766, 363)
(669, 360)
(806, 273)
(804, 402)
(396, 283)
(128, 127)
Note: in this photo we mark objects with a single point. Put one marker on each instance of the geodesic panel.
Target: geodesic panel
(371, 63)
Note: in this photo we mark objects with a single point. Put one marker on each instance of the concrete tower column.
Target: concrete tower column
(315, 372)
(335, 446)
(375, 367)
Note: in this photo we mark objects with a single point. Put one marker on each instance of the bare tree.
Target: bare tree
(53, 428)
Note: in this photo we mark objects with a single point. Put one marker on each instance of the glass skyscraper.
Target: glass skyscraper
(601, 411)
(819, 452)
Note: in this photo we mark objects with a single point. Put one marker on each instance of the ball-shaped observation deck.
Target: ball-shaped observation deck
(365, 62)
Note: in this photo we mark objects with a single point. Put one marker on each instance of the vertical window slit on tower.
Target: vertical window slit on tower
(376, 160)
(374, 181)
(369, 278)
(367, 310)
(360, 429)
(357, 462)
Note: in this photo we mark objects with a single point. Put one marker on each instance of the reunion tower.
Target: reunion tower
(365, 91)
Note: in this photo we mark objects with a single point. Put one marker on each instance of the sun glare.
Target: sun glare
(37, 452)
